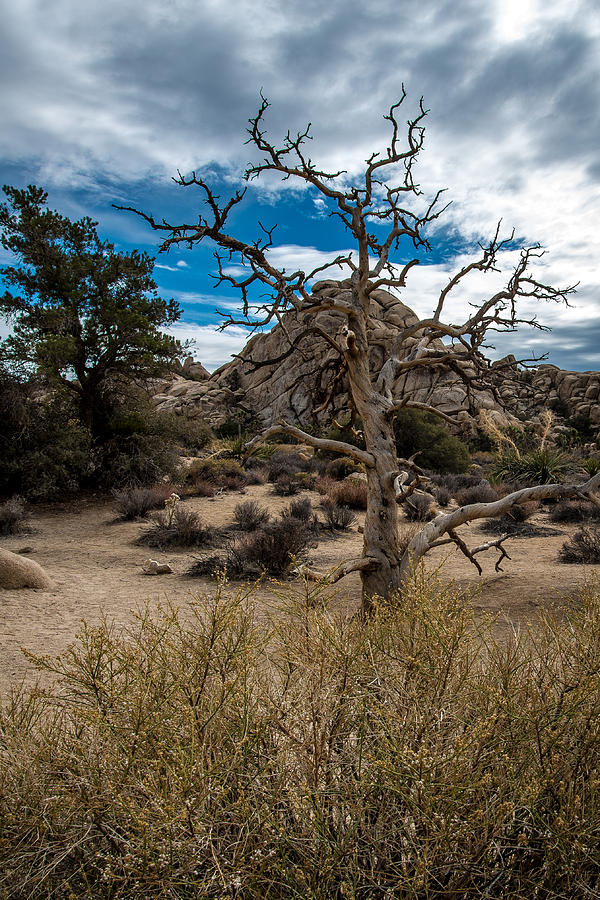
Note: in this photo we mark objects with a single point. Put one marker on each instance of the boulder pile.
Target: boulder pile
(278, 376)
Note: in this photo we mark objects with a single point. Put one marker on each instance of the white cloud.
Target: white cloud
(123, 93)
(212, 347)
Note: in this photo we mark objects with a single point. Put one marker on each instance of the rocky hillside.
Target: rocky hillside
(279, 376)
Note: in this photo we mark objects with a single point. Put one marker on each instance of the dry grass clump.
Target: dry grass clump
(302, 509)
(340, 467)
(249, 516)
(13, 516)
(288, 485)
(337, 516)
(182, 528)
(583, 546)
(136, 503)
(212, 754)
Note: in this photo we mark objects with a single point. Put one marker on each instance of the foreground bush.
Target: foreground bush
(215, 754)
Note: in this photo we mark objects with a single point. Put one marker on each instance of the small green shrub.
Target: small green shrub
(341, 468)
(439, 450)
(347, 434)
(189, 434)
(591, 465)
(541, 466)
(239, 424)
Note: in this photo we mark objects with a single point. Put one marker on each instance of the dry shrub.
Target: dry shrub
(210, 753)
(337, 517)
(270, 549)
(301, 509)
(351, 492)
(442, 495)
(284, 463)
(574, 511)
(203, 488)
(13, 517)
(249, 516)
(583, 547)
(288, 485)
(181, 529)
(482, 492)
(521, 512)
(405, 535)
(136, 503)
(419, 507)
(325, 486)
(224, 474)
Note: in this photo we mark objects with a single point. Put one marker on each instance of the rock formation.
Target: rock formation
(279, 376)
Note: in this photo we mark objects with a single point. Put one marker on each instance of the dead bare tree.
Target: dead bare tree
(379, 213)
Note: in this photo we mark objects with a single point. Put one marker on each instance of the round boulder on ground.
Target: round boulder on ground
(19, 572)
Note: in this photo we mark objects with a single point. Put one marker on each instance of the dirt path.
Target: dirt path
(97, 570)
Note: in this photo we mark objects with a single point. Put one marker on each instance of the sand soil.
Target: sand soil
(96, 568)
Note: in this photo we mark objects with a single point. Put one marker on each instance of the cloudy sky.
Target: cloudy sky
(103, 102)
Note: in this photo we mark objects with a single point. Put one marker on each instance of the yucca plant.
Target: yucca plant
(541, 466)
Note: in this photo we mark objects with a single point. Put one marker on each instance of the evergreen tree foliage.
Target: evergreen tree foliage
(85, 316)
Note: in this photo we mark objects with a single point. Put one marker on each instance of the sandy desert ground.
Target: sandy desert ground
(96, 568)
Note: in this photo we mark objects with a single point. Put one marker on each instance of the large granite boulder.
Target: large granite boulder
(271, 381)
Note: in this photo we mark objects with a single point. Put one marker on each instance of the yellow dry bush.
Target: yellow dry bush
(210, 751)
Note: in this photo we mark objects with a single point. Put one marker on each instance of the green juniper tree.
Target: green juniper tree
(86, 317)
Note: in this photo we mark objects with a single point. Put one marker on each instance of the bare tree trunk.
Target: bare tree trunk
(380, 543)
